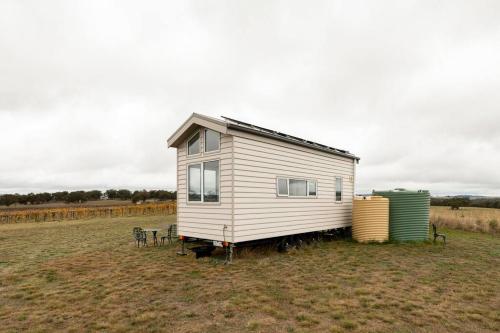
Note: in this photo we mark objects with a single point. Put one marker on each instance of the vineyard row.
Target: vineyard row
(75, 213)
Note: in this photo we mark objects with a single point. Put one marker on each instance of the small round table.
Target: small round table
(154, 231)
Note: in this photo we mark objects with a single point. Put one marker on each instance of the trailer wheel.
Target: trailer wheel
(203, 251)
(283, 245)
(298, 243)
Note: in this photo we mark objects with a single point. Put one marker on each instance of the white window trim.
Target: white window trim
(341, 190)
(288, 188)
(205, 141)
(201, 202)
(199, 143)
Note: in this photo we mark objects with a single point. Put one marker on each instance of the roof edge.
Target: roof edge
(222, 126)
(196, 119)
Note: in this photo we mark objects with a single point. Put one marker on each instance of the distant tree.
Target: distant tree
(163, 195)
(76, 196)
(93, 195)
(42, 198)
(60, 196)
(140, 196)
(167, 195)
(152, 194)
(457, 202)
(30, 198)
(22, 199)
(8, 199)
(112, 194)
(124, 194)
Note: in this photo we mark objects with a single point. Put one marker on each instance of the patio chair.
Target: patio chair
(162, 238)
(436, 235)
(139, 236)
(171, 234)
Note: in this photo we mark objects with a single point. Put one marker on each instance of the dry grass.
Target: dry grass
(84, 276)
(469, 218)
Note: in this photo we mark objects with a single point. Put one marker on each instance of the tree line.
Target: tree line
(83, 196)
(457, 202)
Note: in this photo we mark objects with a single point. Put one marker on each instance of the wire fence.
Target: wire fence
(76, 213)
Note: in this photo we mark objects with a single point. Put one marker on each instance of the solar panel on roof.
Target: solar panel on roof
(287, 137)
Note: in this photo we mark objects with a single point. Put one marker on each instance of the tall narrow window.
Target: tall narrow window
(338, 189)
(194, 181)
(194, 144)
(311, 184)
(282, 187)
(212, 140)
(211, 181)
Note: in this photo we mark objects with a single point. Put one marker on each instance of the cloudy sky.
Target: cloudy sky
(91, 90)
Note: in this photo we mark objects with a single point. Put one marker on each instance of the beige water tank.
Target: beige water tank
(370, 219)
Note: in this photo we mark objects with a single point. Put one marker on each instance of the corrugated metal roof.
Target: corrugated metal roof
(243, 126)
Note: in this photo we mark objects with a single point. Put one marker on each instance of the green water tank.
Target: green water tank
(408, 214)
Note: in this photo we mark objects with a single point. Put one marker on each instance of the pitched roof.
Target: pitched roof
(230, 123)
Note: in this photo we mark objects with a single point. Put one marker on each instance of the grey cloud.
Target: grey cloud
(89, 91)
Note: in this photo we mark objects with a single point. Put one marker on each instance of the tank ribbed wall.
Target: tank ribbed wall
(408, 214)
(370, 219)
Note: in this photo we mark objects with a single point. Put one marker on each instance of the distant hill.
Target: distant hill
(463, 200)
(466, 201)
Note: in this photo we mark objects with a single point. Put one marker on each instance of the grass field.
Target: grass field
(468, 218)
(82, 276)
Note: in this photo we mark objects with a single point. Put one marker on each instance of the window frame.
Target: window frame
(278, 187)
(315, 187)
(337, 178)
(205, 130)
(189, 181)
(202, 187)
(307, 180)
(199, 144)
(217, 182)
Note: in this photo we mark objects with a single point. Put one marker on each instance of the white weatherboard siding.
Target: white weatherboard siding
(249, 205)
(259, 213)
(205, 220)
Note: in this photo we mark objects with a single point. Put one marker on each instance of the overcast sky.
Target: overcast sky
(91, 90)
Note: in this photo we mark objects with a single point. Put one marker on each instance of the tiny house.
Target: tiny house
(237, 182)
